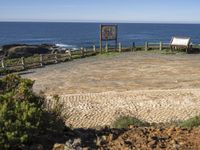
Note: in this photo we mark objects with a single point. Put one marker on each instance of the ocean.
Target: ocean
(87, 34)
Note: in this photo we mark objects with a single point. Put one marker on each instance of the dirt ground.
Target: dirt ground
(123, 72)
(133, 138)
(151, 138)
(97, 90)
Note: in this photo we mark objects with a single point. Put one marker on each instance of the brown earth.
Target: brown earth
(134, 138)
(122, 72)
(155, 138)
(97, 90)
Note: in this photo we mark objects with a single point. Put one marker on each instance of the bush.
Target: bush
(4, 71)
(22, 115)
(124, 122)
(190, 123)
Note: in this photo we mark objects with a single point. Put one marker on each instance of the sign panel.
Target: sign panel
(108, 32)
(178, 41)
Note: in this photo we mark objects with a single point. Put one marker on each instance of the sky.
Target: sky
(139, 11)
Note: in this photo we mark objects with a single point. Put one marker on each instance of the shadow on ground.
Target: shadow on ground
(76, 139)
(195, 51)
(91, 138)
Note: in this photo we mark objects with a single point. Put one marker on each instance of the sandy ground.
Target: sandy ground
(97, 90)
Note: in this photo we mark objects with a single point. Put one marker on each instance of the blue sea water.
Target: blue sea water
(87, 34)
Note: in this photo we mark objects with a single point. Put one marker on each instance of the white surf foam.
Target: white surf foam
(65, 45)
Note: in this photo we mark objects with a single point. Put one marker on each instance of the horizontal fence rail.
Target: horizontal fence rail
(36, 61)
(159, 45)
(41, 60)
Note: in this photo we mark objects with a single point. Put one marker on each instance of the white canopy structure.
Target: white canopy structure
(180, 42)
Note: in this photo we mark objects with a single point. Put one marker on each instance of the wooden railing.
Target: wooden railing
(159, 45)
(41, 60)
(45, 59)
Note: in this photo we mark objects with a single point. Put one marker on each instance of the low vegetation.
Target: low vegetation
(23, 117)
(4, 71)
(190, 123)
(108, 54)
(125, 121)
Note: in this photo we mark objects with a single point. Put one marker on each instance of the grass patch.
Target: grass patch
(165, 51)
(190, 123)
(125, 121)
(33, 59)
(109, 54)
(4, 71)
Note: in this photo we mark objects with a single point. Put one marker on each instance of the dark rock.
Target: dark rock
(22, 50)
(7, 47)
(152, 144)
(128, 142)
(36, 147)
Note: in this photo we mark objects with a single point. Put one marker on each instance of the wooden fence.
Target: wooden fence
(45, 59)
(160, 45)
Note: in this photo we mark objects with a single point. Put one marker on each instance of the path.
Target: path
(152, 87)
(100, 109)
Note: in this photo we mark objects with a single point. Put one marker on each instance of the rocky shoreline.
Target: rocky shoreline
(25, 50)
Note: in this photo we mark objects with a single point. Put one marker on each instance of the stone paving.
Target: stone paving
(97, 90)
(100, 109)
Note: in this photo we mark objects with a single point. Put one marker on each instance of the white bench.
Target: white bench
(180, 43)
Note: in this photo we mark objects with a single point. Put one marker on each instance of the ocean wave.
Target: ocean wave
(65, 45)
(37, 39)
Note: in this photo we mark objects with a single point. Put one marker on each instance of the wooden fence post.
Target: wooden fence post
(146, 46)
(120, 47)
(56, 58)
(23, 63)
(106, 47)
(82, 52)
(94, 49)
(161, 46)
(3, 63)
(70, 54)
(133, 47)
(85, 52)
(41, 60)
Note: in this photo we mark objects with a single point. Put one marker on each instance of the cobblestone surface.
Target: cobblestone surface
(100, 109)
(97, 90)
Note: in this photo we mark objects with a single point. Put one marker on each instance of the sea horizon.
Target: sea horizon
(86, 34)
(106, 22)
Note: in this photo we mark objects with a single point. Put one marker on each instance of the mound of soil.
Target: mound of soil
(172, 138)
(134, 138)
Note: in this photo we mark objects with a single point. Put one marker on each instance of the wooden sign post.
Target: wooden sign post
(108, 33)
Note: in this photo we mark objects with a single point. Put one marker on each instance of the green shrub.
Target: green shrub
(124, 122)
(190, 123)
(109, 54)
(4, 71)
(52, 120)
(22, 115)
